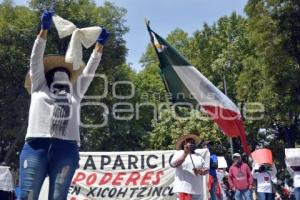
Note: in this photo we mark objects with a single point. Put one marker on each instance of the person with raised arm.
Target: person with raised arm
(190, 167)
(52, 140)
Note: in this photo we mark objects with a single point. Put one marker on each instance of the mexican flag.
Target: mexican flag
(187, 84)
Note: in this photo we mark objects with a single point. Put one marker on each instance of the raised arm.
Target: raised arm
(273, 170)
(178, 159)
(88, 73)
(255, 172)
(36, 59)
(290, 170)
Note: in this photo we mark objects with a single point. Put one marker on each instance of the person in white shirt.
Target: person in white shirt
(295, 173)
(221, 174)
(6, 183)
(190, 167)
(52, 140)
(265, 175)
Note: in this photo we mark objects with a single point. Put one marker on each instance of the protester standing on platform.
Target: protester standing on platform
(190, 167)
(52, 139)
(240, 178)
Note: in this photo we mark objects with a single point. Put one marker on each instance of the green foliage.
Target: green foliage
(272, 26)
(172, 124)
(17, 25)
(218, 51)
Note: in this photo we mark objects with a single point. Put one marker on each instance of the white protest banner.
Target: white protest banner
(292, 157)
(145, 175)
(222, 164)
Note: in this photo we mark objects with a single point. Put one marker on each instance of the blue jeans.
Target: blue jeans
(41, 157)
(297, 193)
(265, 196)
(243, 194)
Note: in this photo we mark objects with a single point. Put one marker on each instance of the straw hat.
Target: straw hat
(51, 62)
(183, 138)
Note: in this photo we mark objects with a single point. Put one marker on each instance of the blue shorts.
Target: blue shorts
(41, 157)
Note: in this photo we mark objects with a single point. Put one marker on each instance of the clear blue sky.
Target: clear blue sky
(165, 16)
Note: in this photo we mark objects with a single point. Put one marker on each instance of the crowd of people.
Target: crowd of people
(240, 182)
(237, 182)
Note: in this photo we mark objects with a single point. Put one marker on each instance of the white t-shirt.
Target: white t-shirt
(185, 179)
(264, 179)
(42, 103)
(264, 182)
(296, 177)
(220, 175)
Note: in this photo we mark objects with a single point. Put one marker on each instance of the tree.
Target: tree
(173, 124)
(19, 26)
(272, 29)
(16, 27)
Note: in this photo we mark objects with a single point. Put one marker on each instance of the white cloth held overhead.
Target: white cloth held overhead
(84, 36)
(64, 27)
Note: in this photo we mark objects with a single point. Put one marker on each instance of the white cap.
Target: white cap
(236, 155)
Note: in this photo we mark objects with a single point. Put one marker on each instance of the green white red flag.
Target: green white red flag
(187, 84)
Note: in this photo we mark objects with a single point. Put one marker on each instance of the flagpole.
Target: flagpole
(147, 23)
(230, 139)
(193, 163)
